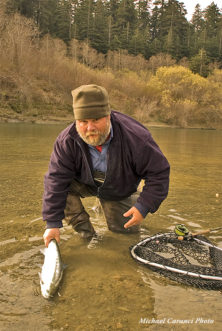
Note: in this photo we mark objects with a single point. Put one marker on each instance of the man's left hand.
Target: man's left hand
(136, 217)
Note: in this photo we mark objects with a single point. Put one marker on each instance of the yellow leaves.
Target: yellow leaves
(179, 83)
(216, 77)
(185, 97)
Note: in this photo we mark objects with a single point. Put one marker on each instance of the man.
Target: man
(105, 154)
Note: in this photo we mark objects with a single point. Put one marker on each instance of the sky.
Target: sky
(190, 5)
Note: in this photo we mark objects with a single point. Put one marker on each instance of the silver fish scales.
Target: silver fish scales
(52, 270)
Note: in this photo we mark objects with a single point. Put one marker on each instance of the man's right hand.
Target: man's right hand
(50, 234)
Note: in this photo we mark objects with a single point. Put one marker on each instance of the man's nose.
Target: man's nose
(91, 126)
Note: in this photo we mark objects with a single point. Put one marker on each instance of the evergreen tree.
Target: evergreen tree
(41, 11)
(200, 63)
(24, 7)
(143, 15)
(63, 20)
(100, 31)
(198, 27)
(156, 20)
(83, 19)
(146, 27)
(139, 43)
(126, 20)
(175, 29)
(220, 39)
(112, 7)
(45, 16)
(212, 18)
(155, 44)
(197, 19)
(170, 28)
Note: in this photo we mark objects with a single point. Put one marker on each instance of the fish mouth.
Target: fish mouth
(46, 295)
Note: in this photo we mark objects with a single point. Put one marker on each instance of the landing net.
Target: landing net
(196, 261)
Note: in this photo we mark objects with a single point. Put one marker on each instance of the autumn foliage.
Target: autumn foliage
(38, 74)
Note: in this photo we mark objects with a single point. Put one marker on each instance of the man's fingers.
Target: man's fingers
(47, 241)
(127, 225)
(51, 234)
(130, 223)
(57, 238)
(136, 217)
(128, 213)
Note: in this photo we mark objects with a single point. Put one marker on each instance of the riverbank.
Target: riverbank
(11, 117)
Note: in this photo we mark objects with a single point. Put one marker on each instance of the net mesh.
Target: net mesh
(192, 262)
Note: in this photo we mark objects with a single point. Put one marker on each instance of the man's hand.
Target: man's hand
(136, 217)
(50, 234)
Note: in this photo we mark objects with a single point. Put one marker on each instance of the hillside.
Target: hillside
(38, 74)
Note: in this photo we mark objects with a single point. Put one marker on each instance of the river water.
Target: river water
(103, 288)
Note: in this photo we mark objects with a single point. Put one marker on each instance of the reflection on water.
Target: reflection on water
(103, 288)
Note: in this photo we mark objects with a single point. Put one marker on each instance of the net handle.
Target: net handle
(200, 232)
(206, 231)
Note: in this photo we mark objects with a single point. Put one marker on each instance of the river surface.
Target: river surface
(103, 288)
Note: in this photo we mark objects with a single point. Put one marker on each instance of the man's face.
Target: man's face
(94, 131)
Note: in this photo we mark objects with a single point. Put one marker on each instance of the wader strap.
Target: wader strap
(99, 177)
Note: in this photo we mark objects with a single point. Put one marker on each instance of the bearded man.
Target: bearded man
(105, 154)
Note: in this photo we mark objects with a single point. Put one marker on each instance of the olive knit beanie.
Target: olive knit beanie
(90, 101)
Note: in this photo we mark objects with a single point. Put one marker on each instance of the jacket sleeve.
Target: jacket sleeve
(154, 168)
(56, 183)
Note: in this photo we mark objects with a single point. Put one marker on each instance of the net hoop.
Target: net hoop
(171, 269)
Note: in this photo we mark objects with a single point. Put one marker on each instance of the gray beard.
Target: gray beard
(99, 140)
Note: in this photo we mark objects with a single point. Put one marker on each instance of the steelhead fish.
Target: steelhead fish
(52, 270)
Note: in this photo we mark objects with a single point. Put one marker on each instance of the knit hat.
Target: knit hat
(90, 101)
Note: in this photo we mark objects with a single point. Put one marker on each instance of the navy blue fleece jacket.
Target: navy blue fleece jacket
(132, 155)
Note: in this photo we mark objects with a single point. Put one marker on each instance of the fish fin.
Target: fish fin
(42, 250)
(64, 266)
(41, 281)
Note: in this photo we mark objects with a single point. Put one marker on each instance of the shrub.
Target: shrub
(185, 96)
